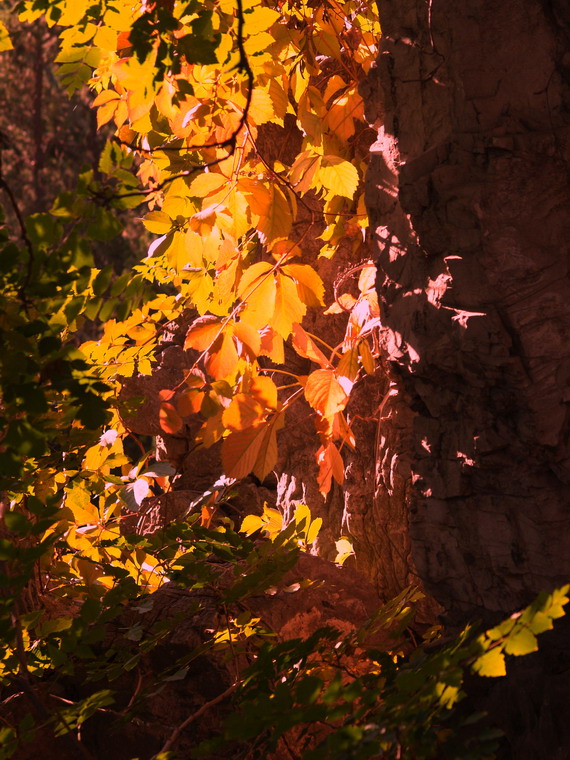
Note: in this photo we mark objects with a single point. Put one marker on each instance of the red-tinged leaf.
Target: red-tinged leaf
(264, 390)
(366, 357)
(288, 307)
(169, 419)
(330, 466)
(222, 359)
(252, 450)
(202, 333)
(309, 284)
(324, 392)
(190, 402)
(243, 412)
(272, 346)
(306, 347)
(249, 336)
(166, 394)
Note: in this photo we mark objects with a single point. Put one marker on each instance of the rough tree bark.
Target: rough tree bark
(468, 194)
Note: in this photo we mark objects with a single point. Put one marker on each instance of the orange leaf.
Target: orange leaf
(249, 336)
(330, 466)
(264, 390)
(223, 357)
(169, 419)
(272, 346)
(306, 347)
(253, 449)
(324, 392)
(190, 402)
(202, 333)
(309, 284)
(243, 412)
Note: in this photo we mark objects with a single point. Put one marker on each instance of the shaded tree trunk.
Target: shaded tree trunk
(468, 194)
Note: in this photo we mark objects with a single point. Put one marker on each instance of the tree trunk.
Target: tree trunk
(468, 194)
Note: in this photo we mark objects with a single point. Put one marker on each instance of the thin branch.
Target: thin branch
(173, 738)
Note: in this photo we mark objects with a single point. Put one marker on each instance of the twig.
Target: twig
(191, 718)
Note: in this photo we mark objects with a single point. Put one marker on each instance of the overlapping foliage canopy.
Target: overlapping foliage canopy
(236, 130)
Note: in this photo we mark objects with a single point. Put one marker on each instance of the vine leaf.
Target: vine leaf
(324, 392)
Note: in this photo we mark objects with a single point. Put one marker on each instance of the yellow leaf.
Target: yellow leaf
(324, 392)
(261, 109)
(5, 41)
(309, 284)
(243, 412)
(366, 357)
(306, 347)
(345, 303)
(288, 307)
(258, 290)
(78, 500)
(344, 550)
(251, 524)
(251, 278)
(207, 183)
(303, 171)
(492, 663)
(260, 19)
(348, 364)
(158, 222)
(338, 176)
(278, 221)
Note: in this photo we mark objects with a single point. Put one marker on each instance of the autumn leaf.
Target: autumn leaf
(324, 392)
(306, 347)
(252, 450)
(169, 419)
(338, 176)
(202, 333)
(309, 284)
(244, 410)
(222, 358)
(264, 390)
(276, 221)
(330, 466)
(288, 307)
